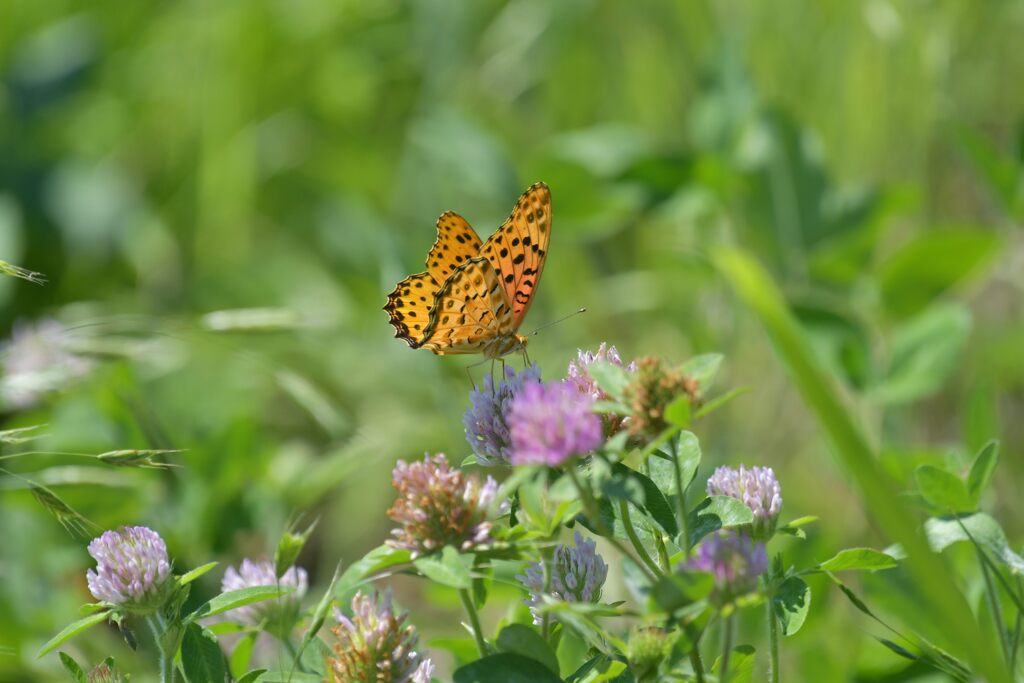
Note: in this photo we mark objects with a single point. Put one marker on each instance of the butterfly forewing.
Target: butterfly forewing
(456, 243)
(517, 250)
(471, 310)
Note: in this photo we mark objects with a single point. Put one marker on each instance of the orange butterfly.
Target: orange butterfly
(473, 297)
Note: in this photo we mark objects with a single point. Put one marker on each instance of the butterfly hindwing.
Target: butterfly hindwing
(517, 250)
(409, 306)
(471, 310)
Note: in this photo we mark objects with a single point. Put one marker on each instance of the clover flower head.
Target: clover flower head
(579, 376)
(438, 506)
(577, 575)
(759, 490)
(649, 646)
(734, 560)
(376, 645)
(37, 360)
(653, 388)
(132, 568)
(551, 423)
(485, 419)
(104, 672)
(281, 610)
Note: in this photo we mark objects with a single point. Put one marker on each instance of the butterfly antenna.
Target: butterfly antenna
(555, 322)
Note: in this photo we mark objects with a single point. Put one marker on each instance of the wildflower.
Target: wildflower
(439, 506)
(579, 376)
(132, 569)
(551, 423)
(653, 388)
(37, 360)
(577, 575)
(734, 560)
(104, 672)
(484, 420)
(376, 645)
(759, 490)
(277, 615)
(649, 646)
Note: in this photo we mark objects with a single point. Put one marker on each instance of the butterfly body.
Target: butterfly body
(474, 295)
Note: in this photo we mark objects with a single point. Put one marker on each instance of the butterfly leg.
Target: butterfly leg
(470, 375)
(526, 358)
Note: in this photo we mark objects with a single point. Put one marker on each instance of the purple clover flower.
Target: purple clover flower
(439, 506)
(551, 423)
(283, 610)
(486, 428)
(577, 575)
(579, 376)
(132, 568)
(376, 644)
(734, 560)
(759, 490)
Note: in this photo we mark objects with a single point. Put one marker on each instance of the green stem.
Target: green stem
(166, 660)
(773, 642)
(641, 551)
(680, 498)
(727, 630)
(695, 659)
(546, 555)
(1015, 641)
(474, 621)
(995, 608)
(594, 513)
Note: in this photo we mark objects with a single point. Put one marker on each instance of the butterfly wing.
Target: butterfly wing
(471, 309)
(409, 304)
(517, 250)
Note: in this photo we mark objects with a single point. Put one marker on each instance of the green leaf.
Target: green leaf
(651, 499)
(703, 369)
(237, 598)
(72, 667)
(201, 656)
(506, 667)
(719, 401)
(932, 263)
(790, 603)
(252, 676)
(925, 352)
(717, 512)
(380, 558)
(860, 559)
(189, 577)
(289, 676)
(675, 591)
(289, 546)
(943, 489)
(612, 379)
(741, 665)
(448, 569)
(981, 470)
(73, 630)
(943, 532)
(677, 412)
(523, 640)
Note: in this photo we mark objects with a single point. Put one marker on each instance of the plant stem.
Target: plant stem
(727, 629)
(546, 555)
(594, 513)
(995, 607)
(166, 660)
(773, 642)
(641, 551)
(695, 659)
(1015, 641)
(474, 621)
(680, 498)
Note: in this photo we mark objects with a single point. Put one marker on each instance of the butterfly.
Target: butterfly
(474, 295)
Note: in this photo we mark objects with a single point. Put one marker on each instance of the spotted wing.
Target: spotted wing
(471, 310)
(518, 249)
(409, 304)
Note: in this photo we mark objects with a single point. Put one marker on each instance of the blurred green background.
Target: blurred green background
(222, 193)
